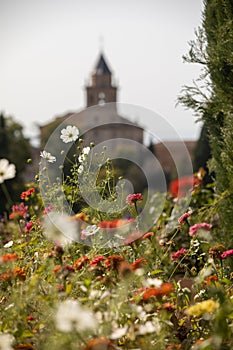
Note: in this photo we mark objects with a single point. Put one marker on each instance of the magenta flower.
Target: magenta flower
(134, 198)
(183, 217)
(195, 228)
(28, 226)
(178, 254)
(227, 253)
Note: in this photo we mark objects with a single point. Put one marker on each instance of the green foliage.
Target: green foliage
(15, 147)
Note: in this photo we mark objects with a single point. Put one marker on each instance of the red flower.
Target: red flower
(148, 235)
(138, 263)
(180, 187)
(82, 261)
(96, 260)
(30, 318)
(134, 198)
(179, 253)
(28, 193)
(113, 261)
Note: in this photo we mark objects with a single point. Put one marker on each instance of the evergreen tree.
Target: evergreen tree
(211, 97)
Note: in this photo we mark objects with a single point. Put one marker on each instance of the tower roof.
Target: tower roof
(101, 66)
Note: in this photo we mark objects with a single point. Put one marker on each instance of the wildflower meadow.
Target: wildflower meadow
(115, 270)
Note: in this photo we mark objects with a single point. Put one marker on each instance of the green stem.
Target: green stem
(7, 195)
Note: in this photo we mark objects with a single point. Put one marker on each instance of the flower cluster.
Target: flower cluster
(28, 193)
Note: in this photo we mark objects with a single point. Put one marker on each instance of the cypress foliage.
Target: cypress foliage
(211, 97)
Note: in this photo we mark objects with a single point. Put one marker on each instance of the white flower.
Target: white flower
(152, 282)
(48, 156)
(84, 153)
(59, 228)
(71, 316)
(8, 244)
(6, 340)
(89, 231)
(69, 134)
(7, 170)
(149, 327)
(118, 333)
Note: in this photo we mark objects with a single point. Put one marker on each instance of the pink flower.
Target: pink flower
(133, 198)
(178, 254)
(202, 226)
(47, 209)
(227, 253)
(183, 217)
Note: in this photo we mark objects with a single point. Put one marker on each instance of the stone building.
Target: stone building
(100, 120)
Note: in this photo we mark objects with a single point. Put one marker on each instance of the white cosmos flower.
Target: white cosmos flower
(152, 282)
(72, 316)
(84, 153)
(6, 340)
(7, 170)
(118, 333)
(48, 156)
(59, 228)
(69, 134)
(80, 169)
(89, 231)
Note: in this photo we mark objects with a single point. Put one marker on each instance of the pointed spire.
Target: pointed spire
(101, 66)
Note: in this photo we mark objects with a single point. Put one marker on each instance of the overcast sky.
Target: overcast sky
(49, 48)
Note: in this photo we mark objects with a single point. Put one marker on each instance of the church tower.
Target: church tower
(101, 90)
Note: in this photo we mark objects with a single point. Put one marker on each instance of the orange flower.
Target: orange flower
(138, 263)
(108, 224)
(25, 346)
(164, 289)
(5, 276)
(19, 273)
(82, 261)
(56, 269)
(8, 257)
(125, 269)
(80, 216)
(211, 279)
(100, 344)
